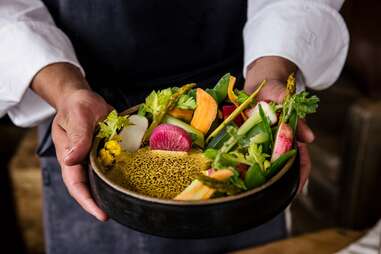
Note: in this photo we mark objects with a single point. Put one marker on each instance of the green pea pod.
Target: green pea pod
(279, 163)
(266, 124)
(213, 94)
(293, 121)
(254, 177)
(221, 88)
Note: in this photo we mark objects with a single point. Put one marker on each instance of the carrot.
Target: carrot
(206, 111)
(232, 96)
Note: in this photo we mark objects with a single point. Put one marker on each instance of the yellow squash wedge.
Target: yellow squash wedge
(183, 114)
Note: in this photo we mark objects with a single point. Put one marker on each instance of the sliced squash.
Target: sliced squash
(206, 111)
(182, 114)
(198, 191)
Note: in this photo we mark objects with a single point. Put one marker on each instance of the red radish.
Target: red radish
(227, 110)
(170, 137)
(283, 141)
(210, 171)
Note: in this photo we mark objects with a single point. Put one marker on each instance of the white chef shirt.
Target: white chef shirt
(310, 33)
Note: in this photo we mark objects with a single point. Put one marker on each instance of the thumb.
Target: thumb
(80, 139)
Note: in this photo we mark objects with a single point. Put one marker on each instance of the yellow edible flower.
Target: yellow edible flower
(110, 152)
(106, 157)
(113, 147)
(291, 84)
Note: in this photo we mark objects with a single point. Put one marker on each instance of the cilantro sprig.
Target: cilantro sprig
(301, 103)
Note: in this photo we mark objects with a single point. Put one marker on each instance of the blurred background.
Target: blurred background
(343, 196)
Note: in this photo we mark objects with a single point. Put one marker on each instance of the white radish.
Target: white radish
(132, 134)
(269, 112)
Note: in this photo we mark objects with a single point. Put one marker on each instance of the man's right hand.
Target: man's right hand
(78, 111)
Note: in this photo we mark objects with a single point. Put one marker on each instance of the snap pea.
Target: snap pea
(266, 124)
(293, 121)
(221, 88)
(280, 162)
(254, 177)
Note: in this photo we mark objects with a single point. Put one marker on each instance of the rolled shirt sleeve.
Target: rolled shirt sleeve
(29, 42)
(309, 33)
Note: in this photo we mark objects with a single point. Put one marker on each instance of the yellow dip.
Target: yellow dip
(156, 173)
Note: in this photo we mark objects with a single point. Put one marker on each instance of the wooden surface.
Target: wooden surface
(27, 189)
(325, 241)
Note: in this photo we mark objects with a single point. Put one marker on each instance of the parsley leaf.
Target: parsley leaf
(301, 104)
(242, 97)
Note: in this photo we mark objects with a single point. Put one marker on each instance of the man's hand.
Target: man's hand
(78, 111)
(276, 70)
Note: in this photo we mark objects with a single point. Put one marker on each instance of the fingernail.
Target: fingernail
(310, 136)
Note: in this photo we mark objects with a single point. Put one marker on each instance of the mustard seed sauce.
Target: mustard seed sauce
(156, 173)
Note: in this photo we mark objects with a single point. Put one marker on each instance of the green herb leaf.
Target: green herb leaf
(255, 155)
(301, 104)
(186, 102)
(157, 101)
(111, 125)
(305, 105)
(242, 97)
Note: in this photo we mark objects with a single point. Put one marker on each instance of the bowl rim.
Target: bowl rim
(97, 168)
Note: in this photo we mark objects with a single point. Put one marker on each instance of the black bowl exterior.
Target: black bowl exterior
(196, 221)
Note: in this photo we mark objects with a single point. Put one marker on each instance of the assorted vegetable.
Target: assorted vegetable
(245, 142)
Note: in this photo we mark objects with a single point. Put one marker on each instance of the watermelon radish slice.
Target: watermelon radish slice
(171, 138)
(283, 141)
(227, 110)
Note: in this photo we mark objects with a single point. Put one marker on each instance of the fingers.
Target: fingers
(304, 133)
(305, 164)
(74, 177)
(79, 134)
(273, 91)
(75, 180)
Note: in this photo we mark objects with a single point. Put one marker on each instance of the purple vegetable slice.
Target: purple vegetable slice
(171, 138)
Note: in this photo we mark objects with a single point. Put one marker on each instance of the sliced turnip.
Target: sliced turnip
(132, 135)
(170, 137)
(283, 141)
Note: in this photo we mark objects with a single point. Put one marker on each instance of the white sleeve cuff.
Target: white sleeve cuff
(26, 48)
(311, 34)
(31, 110)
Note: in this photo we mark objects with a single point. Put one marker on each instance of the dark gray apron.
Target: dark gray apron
(128, 48)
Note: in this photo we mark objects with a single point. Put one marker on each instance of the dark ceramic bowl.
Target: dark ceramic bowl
(194, 219)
